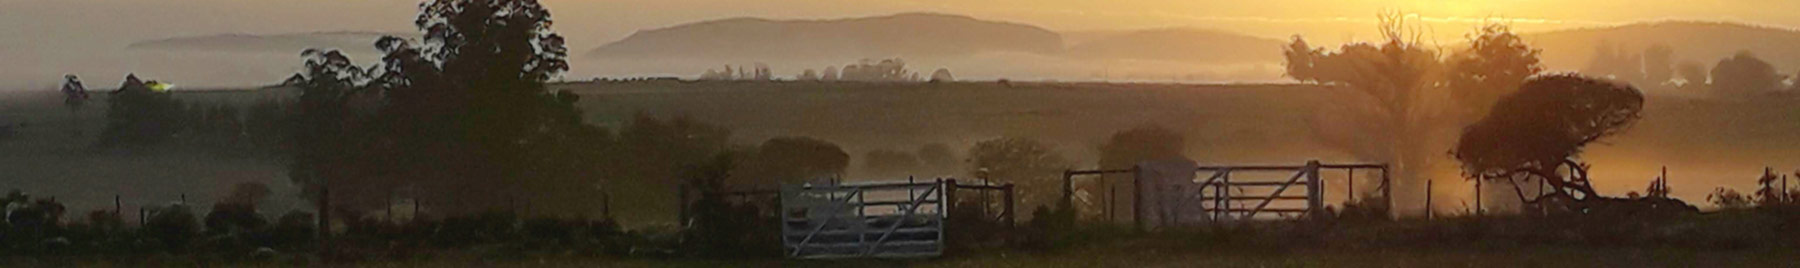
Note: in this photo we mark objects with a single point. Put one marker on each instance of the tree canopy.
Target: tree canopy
(463, 119)
(1032, 165)
(1495, 64)
(1744, 75)
(1543, 127)
(793, 160)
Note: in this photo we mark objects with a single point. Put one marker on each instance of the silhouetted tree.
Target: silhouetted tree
(721, 228)
(329, 148)
(1771, 193)
(35, 217)
(1034, 166)
(1744, 75)
(792, 160)
(137, 115)
(237, 212)
(651, 157)
(1659, 64)
(1495, 64)
(942, 75)
(831, 74)
(1540, 130)
(887, 70)
(1386, 100)
(808, 75)
(75, 95)
(266, 123)
(465, 117)
(1300, 58)
(762, 73)
(173, 225)
(1125, 149)
(1728, 199)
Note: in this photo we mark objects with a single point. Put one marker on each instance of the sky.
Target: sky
(42, 36)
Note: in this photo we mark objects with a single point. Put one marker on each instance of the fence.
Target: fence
(888, 218)
(863, 219)
(1227, 193)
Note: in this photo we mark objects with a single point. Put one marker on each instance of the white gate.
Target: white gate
(865, 219)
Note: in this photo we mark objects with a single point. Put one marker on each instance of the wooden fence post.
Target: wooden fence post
(1350, 190)
(1315, 191)
(1137, 201)
(1011, 215)
(1112, 203)
(1387, 190)
(1428, 199)
(605, 205)
(949, 194)
(1478, 206)
(681, 212)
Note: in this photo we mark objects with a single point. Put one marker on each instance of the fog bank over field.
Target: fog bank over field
(1705, 143)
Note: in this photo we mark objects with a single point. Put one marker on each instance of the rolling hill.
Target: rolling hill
(1703, 42)
(1190, 45)
(293, 43)
(910, 35)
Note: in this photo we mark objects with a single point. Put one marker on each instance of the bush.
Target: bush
(721, 229)
(173, 226)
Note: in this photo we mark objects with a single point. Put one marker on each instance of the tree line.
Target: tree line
(865, 70)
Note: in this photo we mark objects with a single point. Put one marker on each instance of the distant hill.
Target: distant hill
(912, 35)
(1189, 45)
(357, 42)
(1704, 42)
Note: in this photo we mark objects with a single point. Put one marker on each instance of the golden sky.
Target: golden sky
(40, 33)
(593, 22)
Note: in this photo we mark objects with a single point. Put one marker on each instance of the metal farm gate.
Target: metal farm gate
(863, 219)
(1173, 193)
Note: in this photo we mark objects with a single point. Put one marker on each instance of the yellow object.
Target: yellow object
(160, 86)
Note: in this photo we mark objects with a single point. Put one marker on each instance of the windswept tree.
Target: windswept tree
(1538, 133)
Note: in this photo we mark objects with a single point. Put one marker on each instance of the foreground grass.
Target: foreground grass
(1130, 256)
(1136, 253)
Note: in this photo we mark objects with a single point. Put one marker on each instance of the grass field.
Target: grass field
(1705, 143)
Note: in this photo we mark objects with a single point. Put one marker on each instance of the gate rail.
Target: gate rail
(1218, 205)
(851, 219)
